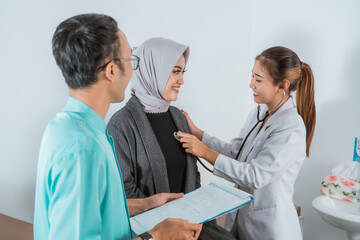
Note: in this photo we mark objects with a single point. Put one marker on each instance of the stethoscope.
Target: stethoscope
(267, 114)
(202, 164)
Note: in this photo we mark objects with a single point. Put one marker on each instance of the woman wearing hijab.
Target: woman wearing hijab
(151, 159)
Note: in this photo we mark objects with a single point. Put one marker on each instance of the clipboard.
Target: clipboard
(199, 206)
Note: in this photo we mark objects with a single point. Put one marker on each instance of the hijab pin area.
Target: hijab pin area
(176, 136)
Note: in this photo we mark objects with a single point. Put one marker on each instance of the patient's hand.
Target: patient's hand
(160, 199)
(140, 205)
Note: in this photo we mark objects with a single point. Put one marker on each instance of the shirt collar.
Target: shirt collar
(90, 116)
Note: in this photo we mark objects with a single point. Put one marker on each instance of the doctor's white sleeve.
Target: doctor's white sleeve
(284, 148)
(222, 147)
(225, 148)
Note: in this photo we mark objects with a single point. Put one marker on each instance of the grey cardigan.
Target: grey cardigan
(141, 160)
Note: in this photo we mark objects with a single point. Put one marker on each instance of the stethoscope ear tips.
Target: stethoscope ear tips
(176, 136)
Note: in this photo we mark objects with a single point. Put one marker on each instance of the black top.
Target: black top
(175, 155)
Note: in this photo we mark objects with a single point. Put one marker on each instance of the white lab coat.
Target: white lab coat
(267, 168)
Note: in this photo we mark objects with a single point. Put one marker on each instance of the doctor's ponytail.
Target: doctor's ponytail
(305, 102)
(284, 64)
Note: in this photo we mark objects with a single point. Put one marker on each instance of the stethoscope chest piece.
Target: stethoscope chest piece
(176, 136)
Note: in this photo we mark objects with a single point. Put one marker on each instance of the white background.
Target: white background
(224, 37)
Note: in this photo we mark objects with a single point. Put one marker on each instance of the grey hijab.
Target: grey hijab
(158, 57)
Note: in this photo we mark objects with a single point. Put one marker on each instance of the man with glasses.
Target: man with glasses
(135, 62)
(79, 189)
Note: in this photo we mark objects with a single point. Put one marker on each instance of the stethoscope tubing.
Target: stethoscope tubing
(247, 136)
(267, 114)
(197, 158)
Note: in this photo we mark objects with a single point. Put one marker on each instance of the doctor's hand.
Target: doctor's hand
(193, 129)
(176, 229)
(194, 146)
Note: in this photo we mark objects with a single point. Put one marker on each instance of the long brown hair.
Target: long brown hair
(284, 64)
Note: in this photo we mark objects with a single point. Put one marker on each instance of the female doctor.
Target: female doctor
(267, 156)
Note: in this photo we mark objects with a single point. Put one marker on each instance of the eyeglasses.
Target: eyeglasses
(134, 62)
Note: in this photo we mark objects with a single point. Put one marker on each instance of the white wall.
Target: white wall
(224, 37)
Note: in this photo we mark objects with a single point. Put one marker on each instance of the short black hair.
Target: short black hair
(83, 42)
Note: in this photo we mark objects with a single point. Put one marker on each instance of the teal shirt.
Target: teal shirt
(79, 188)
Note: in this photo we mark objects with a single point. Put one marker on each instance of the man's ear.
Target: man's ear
(110, 71)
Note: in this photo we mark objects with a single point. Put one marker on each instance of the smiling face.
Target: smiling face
(176, 79)
(264, 90)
